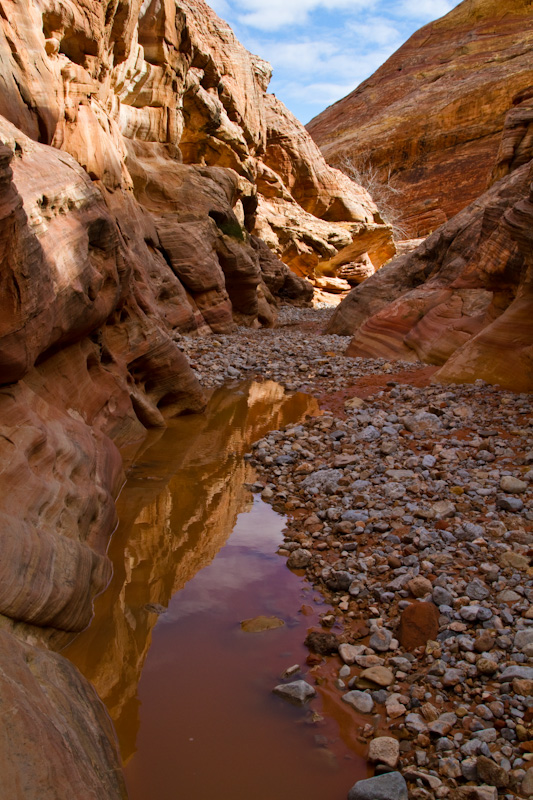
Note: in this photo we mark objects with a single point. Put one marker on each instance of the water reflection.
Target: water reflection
(210, 725)
(180, 503)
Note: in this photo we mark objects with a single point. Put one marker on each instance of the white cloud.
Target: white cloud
(304, 57)
(315, 59)
(271, 15)
(378, 30)
(321, 50)
(321, 93)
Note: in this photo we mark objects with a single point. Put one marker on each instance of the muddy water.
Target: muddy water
(188, 690)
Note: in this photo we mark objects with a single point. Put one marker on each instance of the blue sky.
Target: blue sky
(322, 49)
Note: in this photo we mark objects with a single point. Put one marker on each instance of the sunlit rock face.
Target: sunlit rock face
(463, 299)
(432, 115)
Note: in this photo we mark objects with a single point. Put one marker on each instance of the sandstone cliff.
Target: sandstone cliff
(135, 141)
(431, 117)
(463, 299)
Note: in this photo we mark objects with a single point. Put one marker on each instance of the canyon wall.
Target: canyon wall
(463, 300)
(141, 160)
(430, 119)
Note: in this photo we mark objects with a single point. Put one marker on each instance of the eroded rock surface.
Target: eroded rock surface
(462, 300)
(37, 686)
(432, 115)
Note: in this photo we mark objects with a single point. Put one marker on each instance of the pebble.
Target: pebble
(381, 640)
(527, 783)
(379, 675)
(349, 652)
(476, 793)
(449, 767)
(452, 677)
(361, 701)
(419, 586)
(513, 485)
(516, 671)
(299, 559)
(384, 750)
(490, 773)
(443, 724)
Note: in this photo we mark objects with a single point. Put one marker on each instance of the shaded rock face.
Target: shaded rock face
(135, 138)
(73, 757)
(432, 115)
(463, 298)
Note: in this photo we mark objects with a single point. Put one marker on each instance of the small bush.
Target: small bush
(233, 229)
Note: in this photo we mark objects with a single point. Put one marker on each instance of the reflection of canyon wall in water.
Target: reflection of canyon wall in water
(177, 510)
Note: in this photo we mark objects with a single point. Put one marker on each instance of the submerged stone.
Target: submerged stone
(298, 692)
(259, 624)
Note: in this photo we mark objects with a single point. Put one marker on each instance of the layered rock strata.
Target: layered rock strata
(134, 139)
(463, 299)
(431, 117)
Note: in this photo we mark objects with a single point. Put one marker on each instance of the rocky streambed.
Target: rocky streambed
(411, 510)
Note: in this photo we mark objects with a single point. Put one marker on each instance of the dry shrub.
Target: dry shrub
(383, 191)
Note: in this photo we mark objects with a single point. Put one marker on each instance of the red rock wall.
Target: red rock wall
(133, 139)
(433, 114)
(463, 299)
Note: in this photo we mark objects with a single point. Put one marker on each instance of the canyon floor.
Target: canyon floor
(410, 508)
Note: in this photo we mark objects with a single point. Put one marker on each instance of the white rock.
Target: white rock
(384, 750)
(297, 692)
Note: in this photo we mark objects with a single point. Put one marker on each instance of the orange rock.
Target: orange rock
(53, 710)
(419, 623)
(462, 300)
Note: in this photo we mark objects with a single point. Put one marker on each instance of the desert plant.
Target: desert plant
(383, 190)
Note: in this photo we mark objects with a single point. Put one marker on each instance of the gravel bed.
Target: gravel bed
(413, 515)
(299, 360)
